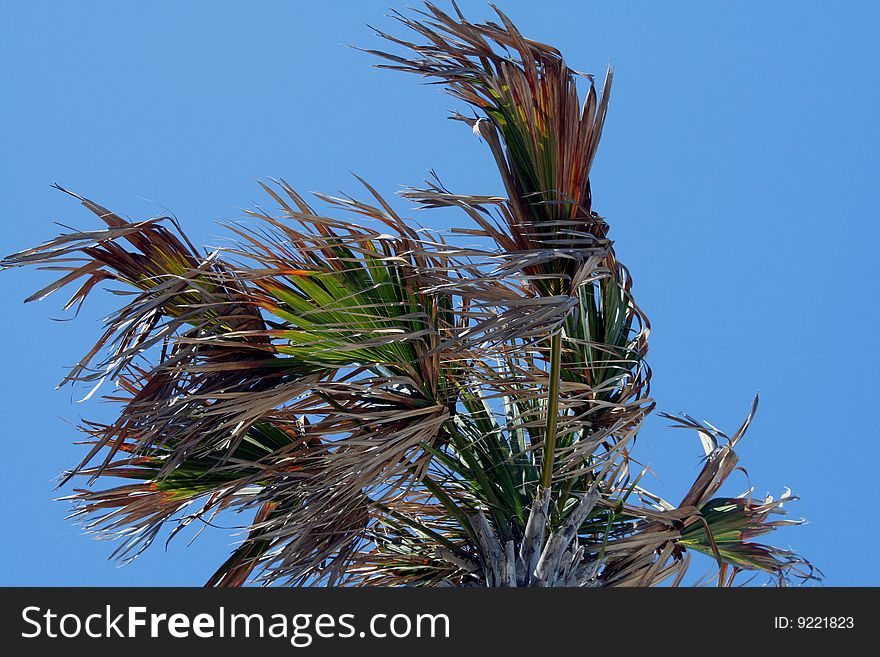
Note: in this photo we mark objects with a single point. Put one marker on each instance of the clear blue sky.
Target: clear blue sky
(738, 170)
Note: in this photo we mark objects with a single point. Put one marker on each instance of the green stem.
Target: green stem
(552, 409)
(449, 505)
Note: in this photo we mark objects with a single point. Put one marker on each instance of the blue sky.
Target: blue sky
(738, 171)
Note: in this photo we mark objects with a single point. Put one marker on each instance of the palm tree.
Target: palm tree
(396, 406)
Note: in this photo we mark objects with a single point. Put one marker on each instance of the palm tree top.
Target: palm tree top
(386, 405)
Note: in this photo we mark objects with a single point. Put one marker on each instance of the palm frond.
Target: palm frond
(543, 138)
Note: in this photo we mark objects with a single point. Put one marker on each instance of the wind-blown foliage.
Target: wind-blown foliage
(396, 407)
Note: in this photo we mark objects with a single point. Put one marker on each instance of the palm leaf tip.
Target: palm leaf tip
(727, 526)
(543, 138)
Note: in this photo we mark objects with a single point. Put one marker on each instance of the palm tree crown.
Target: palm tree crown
(396, 406)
